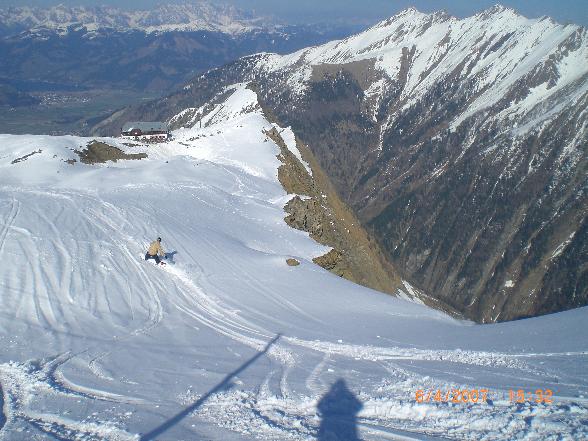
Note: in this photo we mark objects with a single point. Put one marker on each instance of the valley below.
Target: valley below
(61, 112)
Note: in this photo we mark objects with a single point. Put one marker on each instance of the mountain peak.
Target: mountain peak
(500, 10)
(409, 10)
(406, 15)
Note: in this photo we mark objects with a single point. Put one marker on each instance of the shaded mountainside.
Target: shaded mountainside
(133, 59)
(10, 96)
(460, 145)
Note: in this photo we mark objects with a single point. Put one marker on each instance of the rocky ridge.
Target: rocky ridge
(317, 209)
(315, 206)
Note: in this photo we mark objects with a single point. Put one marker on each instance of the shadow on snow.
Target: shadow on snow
(338, 410)
(170, 256)
(223, 385)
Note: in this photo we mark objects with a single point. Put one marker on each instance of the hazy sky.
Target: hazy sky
(363, 10)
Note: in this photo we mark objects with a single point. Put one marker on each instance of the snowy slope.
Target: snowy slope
(230, 342)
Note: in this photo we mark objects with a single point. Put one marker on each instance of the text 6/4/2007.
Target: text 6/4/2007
(452, 396)
(482, 396)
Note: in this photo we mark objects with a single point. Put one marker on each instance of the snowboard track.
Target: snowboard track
(47, 374)
(24, 382)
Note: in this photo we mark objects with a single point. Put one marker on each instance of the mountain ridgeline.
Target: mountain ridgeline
(459, 144)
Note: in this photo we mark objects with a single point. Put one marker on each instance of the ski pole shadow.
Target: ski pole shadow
(338, 410)
(225, 384)
(170, 256)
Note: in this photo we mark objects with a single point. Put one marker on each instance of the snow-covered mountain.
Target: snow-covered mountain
(230, 342)
(460, 143)
(495, 53)
(194, 16)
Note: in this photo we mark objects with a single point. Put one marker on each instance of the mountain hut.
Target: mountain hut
(153, 131)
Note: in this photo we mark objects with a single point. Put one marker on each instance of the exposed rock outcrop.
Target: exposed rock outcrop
(318, 210)
(99, 152)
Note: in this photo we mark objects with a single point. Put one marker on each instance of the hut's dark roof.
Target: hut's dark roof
(145, 126)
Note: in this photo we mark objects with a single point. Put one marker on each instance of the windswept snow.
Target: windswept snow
(290, 141)
(230, 342)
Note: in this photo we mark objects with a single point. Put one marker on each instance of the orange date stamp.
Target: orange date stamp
(451, 396)
(464, 396)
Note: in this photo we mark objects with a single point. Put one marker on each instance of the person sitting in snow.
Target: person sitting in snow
(155, 250)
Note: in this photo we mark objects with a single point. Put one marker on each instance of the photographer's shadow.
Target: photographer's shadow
(338, 410)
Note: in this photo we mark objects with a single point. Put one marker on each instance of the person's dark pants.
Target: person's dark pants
(156, 257)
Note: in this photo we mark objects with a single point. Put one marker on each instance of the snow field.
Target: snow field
(229, 342)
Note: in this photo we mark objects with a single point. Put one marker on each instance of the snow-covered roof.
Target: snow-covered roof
(145, 126)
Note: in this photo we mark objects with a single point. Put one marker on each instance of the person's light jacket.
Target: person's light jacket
(155, 248)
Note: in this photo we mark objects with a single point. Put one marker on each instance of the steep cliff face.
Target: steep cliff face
(460, 144)
(318, 210)
(314, 205)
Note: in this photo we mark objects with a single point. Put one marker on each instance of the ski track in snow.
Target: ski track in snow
(14, 210)
(2, 410)
(49, 313)
(26, 381)
(103, 345)
(379, 413)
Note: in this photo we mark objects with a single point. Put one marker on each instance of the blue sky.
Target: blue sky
(359, 10)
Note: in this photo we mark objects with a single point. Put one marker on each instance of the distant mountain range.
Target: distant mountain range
(187, 17)
(156, 50)
(460, 144)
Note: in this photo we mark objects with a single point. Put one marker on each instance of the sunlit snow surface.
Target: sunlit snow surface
(230, 342)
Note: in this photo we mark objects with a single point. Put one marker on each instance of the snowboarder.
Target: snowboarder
(155, 250)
